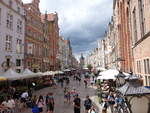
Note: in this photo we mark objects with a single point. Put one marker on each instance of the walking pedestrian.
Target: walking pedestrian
(87, 104)
(40, 103)
(46, 101)
(85, 83)
(111, 101)
(67, 81)
(104, 106)
(62, 82)
(76, 103)
(65, 94)
(68, 96)
(50, 103)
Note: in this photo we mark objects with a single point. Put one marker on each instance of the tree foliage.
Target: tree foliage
(89, 66)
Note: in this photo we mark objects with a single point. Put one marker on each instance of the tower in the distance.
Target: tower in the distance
(82, 62)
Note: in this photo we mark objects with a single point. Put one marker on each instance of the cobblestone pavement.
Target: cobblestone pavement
(60, 107)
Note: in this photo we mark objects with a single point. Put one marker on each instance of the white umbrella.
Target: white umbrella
(67, 70)
(39, 74)
(100, 68)
(12, 75)
(59, 72)
(110, 74)
(106, 77)
(48, 73)
(28, 74)
(85, 68)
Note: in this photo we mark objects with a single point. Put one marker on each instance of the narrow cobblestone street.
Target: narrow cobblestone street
(60, 107)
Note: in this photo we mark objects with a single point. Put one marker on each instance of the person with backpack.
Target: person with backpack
(87, 104)
(76, 103)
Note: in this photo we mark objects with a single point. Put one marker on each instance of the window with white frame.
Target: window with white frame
(9, 21)
(19, 26)
(8, 43)
(19, 46)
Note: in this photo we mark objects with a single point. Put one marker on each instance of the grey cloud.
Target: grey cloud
(83, 21)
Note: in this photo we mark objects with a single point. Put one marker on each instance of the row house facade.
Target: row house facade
(65, 56)
(93, 58)
(132, 35)
(98, 58)
(67, 53)
(41, 38)
(46, 43)
(75, 63)
(124, 36)
(139, 13)
(54, 40)
(33, 37)
(12, 28)
(62, 53)
(127, 41)
(101, 51)
(110, 46)
(118, 38)
(118, 41)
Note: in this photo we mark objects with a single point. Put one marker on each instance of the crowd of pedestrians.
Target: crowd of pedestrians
(89, 107)
(43, 101)
(109, 98)
(37, 104)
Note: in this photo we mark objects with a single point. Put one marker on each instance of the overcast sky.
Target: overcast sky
(82, 21)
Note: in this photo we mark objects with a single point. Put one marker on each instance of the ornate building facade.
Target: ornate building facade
(54, 39)
(33, 37)
(12, 23)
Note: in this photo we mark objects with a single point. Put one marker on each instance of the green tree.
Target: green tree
(89, 66)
